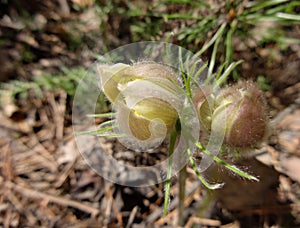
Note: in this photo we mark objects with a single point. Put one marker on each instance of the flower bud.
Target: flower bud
(241, 113)
(151, 112)
(142, 94)
(110, 77)
(114, 78)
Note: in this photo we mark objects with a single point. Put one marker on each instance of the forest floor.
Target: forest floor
(44, 181)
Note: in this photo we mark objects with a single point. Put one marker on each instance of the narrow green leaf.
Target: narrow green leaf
(111, 135)
(102, 115)
(229, 47)
(256, 6)
(225, 164)
(97, 132)
(214, 53)
(288, 16)
(200, 70)
(227, 72)
(202, 179)
(212, 40)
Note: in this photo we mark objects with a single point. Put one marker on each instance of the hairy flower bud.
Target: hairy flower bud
(142, 94)
(152, 112)
(110, 77)
(241, 110)
(115, 78)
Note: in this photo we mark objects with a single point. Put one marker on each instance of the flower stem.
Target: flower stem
(182, 179)
(173, 138)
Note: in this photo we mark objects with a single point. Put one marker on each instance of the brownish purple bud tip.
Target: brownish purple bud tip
(241, 109)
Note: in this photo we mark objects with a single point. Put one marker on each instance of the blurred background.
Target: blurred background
(47, 46)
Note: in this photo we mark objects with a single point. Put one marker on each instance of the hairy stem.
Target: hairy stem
(173, 138)
(182, 179)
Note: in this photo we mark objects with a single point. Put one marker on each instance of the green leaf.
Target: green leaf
(102, 115)
(225, 164)
(288, 16)
(200, 177)
(222, 79)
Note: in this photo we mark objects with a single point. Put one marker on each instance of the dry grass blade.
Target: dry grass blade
(202, 221)
(59, 109)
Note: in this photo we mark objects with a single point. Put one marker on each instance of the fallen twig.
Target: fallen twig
(31, 193)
